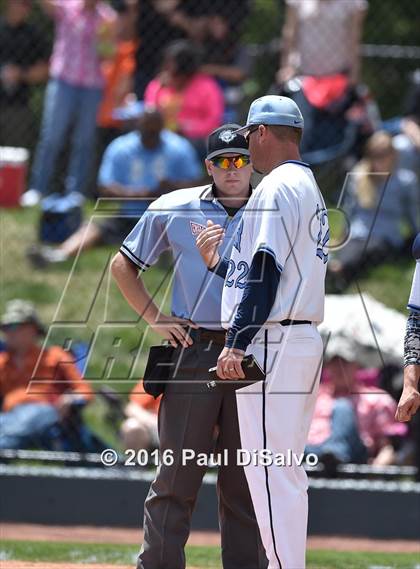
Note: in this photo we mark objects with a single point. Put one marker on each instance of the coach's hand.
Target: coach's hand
(174, 329)
(229, 364)
(208, 242)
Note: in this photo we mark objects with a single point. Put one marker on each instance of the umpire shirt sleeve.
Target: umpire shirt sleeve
(257, 300)
(148, 239)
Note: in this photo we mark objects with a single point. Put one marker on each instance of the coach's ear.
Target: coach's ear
(262, 132)
(208, 167)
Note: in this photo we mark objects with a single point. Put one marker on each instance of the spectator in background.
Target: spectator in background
(161, 22)
(38, 387)
(23, 64)
(407, 139)
(220, 42)
(378, 200)
(191, 102)
(220, 52)
(118, 75)
(352, 422)
(84, 37)
(322, 38)
(140, 429)
(224, 57)
(142, 164)
(321, 44)
(213, 25)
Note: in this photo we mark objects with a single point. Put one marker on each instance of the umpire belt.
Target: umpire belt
(219, 336)
(204, 335)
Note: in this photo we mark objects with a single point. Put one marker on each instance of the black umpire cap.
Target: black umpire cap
(224, 139)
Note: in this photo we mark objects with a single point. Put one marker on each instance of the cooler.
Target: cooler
(13, 170)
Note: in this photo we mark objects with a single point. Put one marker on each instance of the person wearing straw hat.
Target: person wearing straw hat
(37, 386)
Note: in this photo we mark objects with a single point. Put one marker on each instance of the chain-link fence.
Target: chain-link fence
(363, 55)
(242, 43)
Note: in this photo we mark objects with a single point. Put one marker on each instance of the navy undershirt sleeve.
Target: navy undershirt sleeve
(221, 268)
(257, 300)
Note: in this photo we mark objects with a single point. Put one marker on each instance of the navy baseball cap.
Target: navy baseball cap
(226, 139)
(273, 110)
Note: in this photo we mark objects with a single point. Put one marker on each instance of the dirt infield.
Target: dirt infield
(87, 534)
(43, 565)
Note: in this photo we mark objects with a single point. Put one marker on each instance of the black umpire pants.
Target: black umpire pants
(189, 415)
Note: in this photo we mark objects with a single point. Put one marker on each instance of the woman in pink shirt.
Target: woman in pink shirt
(83, 37)
(191, 102)
(352, 422)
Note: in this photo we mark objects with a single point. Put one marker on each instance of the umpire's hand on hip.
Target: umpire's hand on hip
(208, 242)
(229, 364)
(174, 329)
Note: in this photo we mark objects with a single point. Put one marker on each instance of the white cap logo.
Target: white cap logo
(227, 136)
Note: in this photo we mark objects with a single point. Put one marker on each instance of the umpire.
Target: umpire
(191, 416)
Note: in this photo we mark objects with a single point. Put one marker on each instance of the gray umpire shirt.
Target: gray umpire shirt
(172, 222)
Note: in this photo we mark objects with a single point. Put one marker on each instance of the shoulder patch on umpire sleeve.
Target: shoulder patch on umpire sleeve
(416, 247)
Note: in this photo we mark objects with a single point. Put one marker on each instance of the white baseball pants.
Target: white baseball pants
(278, 418)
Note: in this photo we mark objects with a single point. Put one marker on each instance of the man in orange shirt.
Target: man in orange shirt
(37, 387)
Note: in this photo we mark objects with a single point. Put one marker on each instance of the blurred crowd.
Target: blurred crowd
(43, 395)
(132, 90)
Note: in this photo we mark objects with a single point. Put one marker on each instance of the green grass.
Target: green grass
(89, 297)
(203, 557)
(79, 294)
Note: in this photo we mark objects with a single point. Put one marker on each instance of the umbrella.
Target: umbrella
(360, 325)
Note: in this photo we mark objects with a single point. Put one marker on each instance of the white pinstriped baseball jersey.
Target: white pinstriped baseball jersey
(285, 217)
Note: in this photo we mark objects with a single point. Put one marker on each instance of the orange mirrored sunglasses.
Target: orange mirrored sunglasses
(224, 162)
